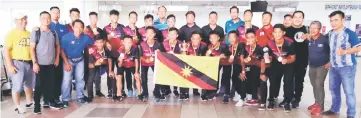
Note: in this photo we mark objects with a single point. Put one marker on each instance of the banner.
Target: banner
(186, 71)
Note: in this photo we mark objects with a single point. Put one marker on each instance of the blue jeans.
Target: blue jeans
(346, 77)
(77, 71)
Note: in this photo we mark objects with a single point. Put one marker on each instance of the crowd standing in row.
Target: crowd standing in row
(59, 55)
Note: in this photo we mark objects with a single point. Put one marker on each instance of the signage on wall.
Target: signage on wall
(343, 7)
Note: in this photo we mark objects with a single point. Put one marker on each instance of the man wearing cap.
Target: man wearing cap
(17, 56)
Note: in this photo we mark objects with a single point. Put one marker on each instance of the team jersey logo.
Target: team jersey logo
(298, 37)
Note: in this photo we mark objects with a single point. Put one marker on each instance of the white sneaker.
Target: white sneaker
(236, 97)
(249, 97)
(240, 103)
(20, 110)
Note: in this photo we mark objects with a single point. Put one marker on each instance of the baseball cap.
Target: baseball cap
(19, 16)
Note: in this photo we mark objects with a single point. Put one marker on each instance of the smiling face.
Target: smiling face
(172, 35)
(148, 22)
(314, 29)
(196, 40)
(113, 18)
(190, 18)
(162, 12)
(278, 33)
(247, 16)
(93, 19)
(22, 22)
(297, 19)
(233, 38)
(128, 42)
(45, 19)
(78, 28)
(171, 22)
(214, 39)
(133, 18)
(99, 44)
(251, 38)
(234, 13)
(337, 21)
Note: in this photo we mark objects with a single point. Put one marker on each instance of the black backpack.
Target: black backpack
(38, 34)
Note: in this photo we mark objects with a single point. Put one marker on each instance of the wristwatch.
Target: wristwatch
(262, 73)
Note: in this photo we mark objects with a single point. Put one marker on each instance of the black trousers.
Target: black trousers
(226, 80)
(253, 80)
(129, 72)
(111, 81)
(237, 83)
(299, 77)
(144, 75)
(279, 71)
(59, 70)
(44, 84)
(263, 88)
(93, 78)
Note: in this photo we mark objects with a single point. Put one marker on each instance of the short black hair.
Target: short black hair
(93, 13)
(248, 10)
(133, 12)
(233, 31)
(303, 14)
(148, 16)
(77, 21)
(250, 30)
(150, 28)
(54, 7)
(74, 10)
(213, 12)
(170, 16)
(234, 7)
(114, 12)
(281, 26)
(173, 29)
(128, 36)
(213, 32)
(334, 13)
(163, 7)
(98, 37)
(267, 12)
(191, 12)
(44, 12)
(197, 32)
(287, 15)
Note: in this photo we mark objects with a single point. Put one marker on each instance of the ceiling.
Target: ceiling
(195, 3)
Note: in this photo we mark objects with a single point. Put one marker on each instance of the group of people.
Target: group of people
(62, 56)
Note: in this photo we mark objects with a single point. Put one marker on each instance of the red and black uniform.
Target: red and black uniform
(165, 34)
(252, 69)
(94, 73)
(115, 43)
(172, 50)
(237, 67)
(128, 64)
(147, 57)
(69, 27)
(242, 32)
(158, 34)
(279, 70)
(133, 32)
(223, 64)
(196, 51)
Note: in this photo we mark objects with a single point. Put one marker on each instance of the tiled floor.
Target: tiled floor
(172, 108)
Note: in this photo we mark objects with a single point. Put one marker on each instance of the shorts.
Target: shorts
(23, 77)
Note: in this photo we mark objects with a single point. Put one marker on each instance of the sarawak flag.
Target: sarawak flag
(186, 71)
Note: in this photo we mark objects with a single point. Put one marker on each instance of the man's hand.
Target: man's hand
(284, 61)
(306, 36)
(136, 75)
(110, 36)
(341, 52)
(12, 69)
(36, 68)
(327, 66)
(111, 74)
(56, 62)
(242, 76)
(67, 67)
(263, 77)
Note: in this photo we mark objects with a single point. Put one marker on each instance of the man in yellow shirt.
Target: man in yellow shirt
(17, 56)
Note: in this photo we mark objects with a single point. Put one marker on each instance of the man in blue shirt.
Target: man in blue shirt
(234, 22)
(73, 45)
(161, 22)
(61, 30)
(344, 45)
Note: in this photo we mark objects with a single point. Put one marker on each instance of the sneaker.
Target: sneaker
(282, 103)
(123, 94)
(109, 95)
(175, 93)
(135, 91)
(236, 97)
(46, 105)
(130, 93)
(219, 94)
(19, 110)
(90, 99)
(115, 98)
(211, 96)
(240, 103)
(120, 98)
(99, 94)
(37, 109)
(181, 97)
(139, 97)
(162, 97)
(252, 102)
(271, 105)
(316, 110)
(196, 93)
(55, 106)
(329, 113)
(249, 97)
(82, 101)
(65, 104)
(57, 101)
(186, 96)
(262, 107)
(313, 106)
(29, 106)
(145, 98)
(204, 98)
(295, 103)
(287, 108)
(225, 99)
